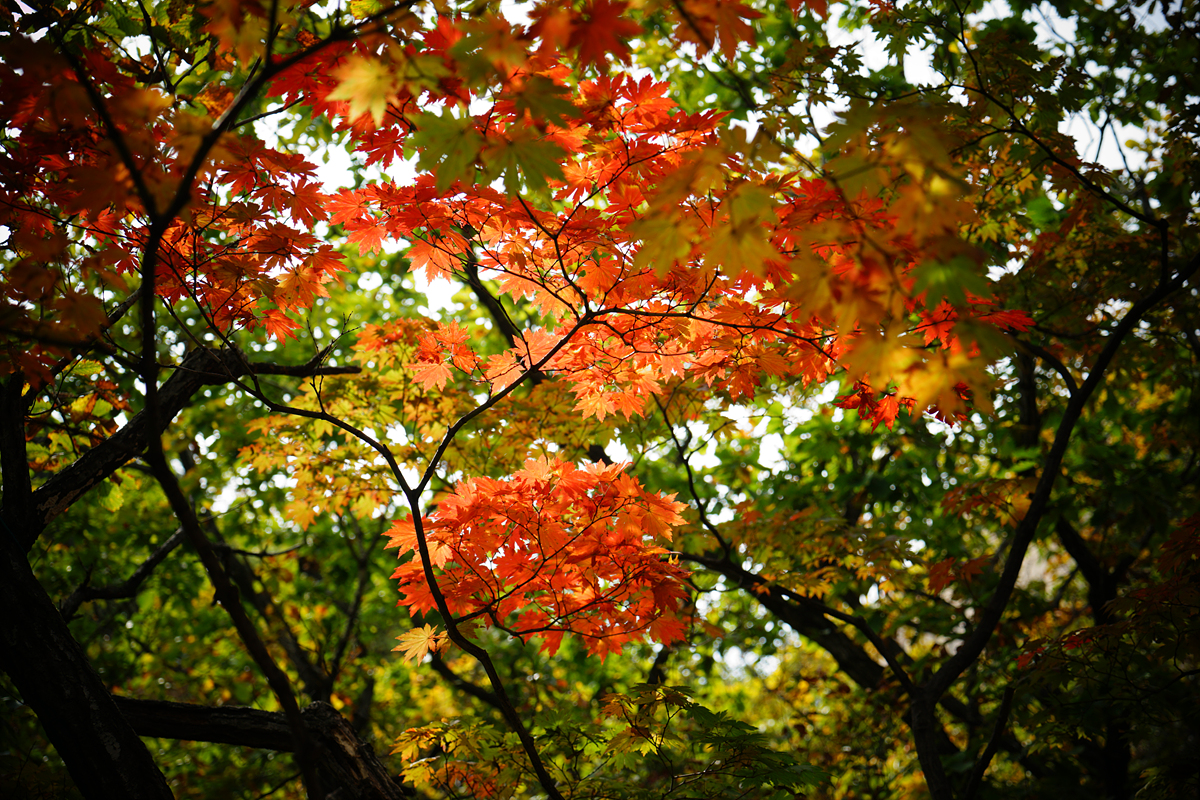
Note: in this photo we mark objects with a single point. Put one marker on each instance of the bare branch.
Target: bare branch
(126, 588)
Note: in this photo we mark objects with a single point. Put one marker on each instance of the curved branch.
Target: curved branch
(201, 367)
(50, 669)
(462, 684)
(989, 751)
(991, 614)
(341, 758)
(126, 588)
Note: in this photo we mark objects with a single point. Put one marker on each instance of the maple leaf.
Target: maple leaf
(432, 376)
(433, 258)
(595, 404)
(368, 237)
(703, 21)
(886, 410)
(731, 24)
(1011, 319)
(502, 371)
(518, 155)
(971, 568)
(940, 575)
(306, 202)
(596, 32)
(367, 84)
(546, 101)
(936, 325)
(302, 514)
(665, 241)
(347, 206)
(280, 325)
(448, 144)
(420, 642)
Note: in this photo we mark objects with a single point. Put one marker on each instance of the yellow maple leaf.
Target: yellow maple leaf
(419, 642)
(368, 84)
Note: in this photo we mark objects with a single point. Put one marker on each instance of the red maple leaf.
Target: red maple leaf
(597, 30)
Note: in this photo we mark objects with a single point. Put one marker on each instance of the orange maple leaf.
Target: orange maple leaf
(596, 32)
(940, 575)
(553, 549)
(431, 376)
(420, 642)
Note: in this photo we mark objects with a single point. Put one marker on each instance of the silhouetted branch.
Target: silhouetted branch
(201, 367)
(126, 588)
(345, 762)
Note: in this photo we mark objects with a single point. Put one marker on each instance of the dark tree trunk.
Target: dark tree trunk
(102, 751)
(97, 734)
(105, 757)
(348, 766)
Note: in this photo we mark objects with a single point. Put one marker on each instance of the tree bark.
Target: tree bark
(97, 734)
(105, 757)
(201, 367)
(348, 766)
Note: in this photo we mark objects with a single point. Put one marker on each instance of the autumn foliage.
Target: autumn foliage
(765, 377)
(552, 549)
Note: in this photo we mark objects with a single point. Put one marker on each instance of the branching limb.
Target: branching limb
(990, 616)
(362, 582)
(925, 701)
(52, 672)
(989, 751)
(1055, 363)
(201, 367)
(317, 684)
(341, 758)
(693, 490)
(227, 595)
(126, 588)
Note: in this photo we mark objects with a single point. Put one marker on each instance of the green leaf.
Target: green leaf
(519, 155)
(449, 146)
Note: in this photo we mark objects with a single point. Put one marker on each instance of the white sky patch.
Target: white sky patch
(439, 294)
(335, 170)
(1107, 143)
(230, 493)
(516, 13)
(617, 451)
(771, 445)
(770, 452)
(739, 662)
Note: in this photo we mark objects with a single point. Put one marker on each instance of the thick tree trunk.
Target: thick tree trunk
(97, 734)
(348, 766)
(103, 754)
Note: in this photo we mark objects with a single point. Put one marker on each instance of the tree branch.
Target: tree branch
(50, 669)
(462, 684)
(990, 616)
(126, 588)
(200, 367)
(989, 751)
(317, 684)
(342, 759)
